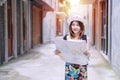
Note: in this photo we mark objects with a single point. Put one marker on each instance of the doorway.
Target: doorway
(37, 25)
(104, 31)
(10, 28)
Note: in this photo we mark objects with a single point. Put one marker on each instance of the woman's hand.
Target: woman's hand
(57, 52)
(87, 54)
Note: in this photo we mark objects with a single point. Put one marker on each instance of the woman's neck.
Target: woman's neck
(76, 36)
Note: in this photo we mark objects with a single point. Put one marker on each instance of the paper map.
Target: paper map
(73, 50)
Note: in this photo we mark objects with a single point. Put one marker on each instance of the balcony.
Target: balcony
(45, 5)
(87, 1)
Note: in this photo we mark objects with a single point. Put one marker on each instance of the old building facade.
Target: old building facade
(104, 32)
(25, 24)
(105, 26)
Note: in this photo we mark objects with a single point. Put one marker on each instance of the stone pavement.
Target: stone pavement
(99, 68)
(41, 64)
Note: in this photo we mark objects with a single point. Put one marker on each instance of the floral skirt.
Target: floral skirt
(75, 71)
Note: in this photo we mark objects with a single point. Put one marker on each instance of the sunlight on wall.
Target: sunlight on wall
(74, 2)
(77, 8)
(74, 5)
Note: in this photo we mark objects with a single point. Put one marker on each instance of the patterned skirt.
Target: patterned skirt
(75, 71)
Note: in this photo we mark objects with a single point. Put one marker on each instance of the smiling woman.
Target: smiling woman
(73, 70)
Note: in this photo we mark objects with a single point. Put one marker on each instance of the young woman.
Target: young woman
(75, 71)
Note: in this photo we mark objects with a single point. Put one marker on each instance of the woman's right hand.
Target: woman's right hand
(57, 52)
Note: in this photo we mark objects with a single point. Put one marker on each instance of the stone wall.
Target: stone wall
(115, 37)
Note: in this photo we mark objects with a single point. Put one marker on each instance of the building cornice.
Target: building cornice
(2, 2)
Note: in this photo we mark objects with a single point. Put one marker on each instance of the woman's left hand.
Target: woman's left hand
(87, 54)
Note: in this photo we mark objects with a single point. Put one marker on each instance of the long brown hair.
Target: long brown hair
(81, 31)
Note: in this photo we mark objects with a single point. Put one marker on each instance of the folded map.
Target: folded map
(72, 50)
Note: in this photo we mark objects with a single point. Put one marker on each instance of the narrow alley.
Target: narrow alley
(41, 63)
(28, 29)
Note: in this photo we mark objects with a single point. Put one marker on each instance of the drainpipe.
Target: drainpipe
(111, 31)
(2, 36)
(14, 14)
(6, 33)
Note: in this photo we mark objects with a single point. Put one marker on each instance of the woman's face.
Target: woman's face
(75, 27)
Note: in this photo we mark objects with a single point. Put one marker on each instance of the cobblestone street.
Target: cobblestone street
(41, 64)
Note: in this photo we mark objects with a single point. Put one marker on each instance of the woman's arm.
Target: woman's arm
(57, 52)
(87, 53)
(88, 44)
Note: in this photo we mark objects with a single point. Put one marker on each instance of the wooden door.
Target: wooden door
(94, 26)
(58, 27)
(37, 26)
(10, 28)
(23, 26)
